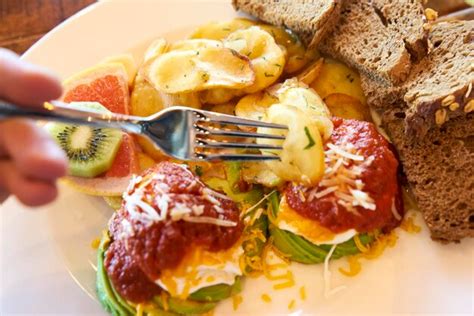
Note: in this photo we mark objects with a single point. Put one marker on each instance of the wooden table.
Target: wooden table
(23, 22)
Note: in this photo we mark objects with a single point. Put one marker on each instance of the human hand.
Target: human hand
(30, 161)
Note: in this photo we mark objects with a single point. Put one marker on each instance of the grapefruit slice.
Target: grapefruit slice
(127, 61)
(106, 83)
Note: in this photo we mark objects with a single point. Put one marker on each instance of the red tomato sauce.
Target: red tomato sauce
(163, 244)
(380, 180)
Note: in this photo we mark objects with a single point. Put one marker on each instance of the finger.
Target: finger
(24, 83)
(32, 150)
(29, 192)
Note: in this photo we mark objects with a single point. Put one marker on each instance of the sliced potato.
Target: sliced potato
(335, 77)
(260, 173)
(347, 107)
(197, 70)
(194, 44)
(267, 57)
(226, 108)
(156, 48)
(149, 148)
(220, 30)
(311, 72)
(254, 106)
(297, 94)
(127, 61)
(217, 96)
(297, 56)
(302, 157)
(145, 99)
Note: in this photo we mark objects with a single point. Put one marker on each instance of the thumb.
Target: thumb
(24, 83)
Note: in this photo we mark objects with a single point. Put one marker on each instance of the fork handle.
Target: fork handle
(59, 112)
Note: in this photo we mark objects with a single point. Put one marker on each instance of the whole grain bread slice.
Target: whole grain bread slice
(439, 169)
(407, 18)
(310, 19)
(377, 37)
(439, 87)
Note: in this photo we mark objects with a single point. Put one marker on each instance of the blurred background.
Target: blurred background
(23, 22)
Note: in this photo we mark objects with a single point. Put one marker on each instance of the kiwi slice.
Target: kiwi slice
(90, 150)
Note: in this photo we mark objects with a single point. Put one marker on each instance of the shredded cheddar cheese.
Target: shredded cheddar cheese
(95, 243)
(409, 226)
(139, 310)
(236, 301)
(302, 293)
(266, 298)
(374, 251)
(290, 282)
(164, 298)
(354, 266)
(291, 305)
(359, 244)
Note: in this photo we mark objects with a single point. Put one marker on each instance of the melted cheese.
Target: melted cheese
(289, 220)
(201, 268)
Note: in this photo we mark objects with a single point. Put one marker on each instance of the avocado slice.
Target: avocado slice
(108, 297)
(216, 293)
(299, 249)
(185, 307)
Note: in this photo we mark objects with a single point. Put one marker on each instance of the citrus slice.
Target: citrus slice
(105, 83)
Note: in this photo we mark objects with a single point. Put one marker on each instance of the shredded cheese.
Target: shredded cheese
(343, 169)
(266, 298)
(291, 305)
(303, 293)
(164, 299)
(236, 301)
(345, 154)
(409, 226)
(250, 209)
(95, 243)
(140, 206)
(327, 276)
(374, 251)
(360, 245)
(210, 220)
(395, 213)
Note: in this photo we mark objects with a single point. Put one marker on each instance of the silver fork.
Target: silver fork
(181, 132)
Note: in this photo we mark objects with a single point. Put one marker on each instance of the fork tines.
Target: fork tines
(210, 138)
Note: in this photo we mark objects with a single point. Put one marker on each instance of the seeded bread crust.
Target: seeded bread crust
(310, 19)
(429, 99)
(439, 170)
(440, 87)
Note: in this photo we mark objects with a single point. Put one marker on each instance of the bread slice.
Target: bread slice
(373, 36)
(407, 19)
(439, 169)
(439, 87)
(310, 19)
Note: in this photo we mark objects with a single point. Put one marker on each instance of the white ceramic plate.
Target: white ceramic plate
(41, 251)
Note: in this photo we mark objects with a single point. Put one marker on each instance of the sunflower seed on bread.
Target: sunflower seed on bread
(439, 87)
